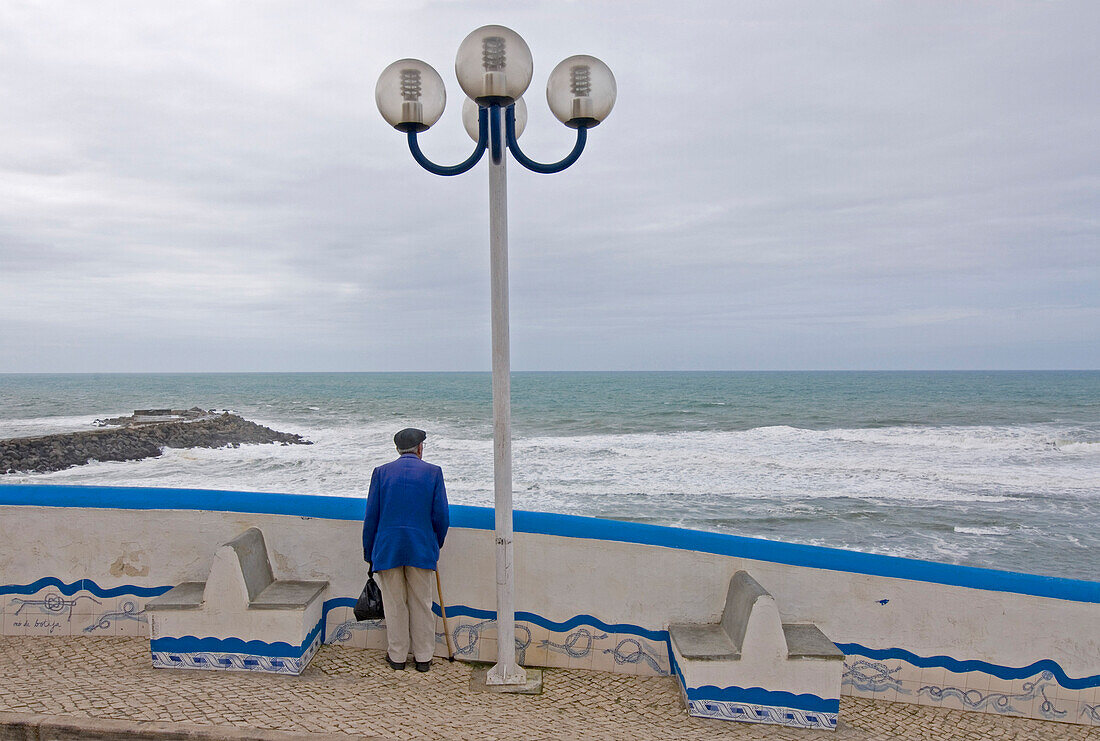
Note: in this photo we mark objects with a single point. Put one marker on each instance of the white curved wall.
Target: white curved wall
(589, 594)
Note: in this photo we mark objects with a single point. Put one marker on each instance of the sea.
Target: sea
(991, 469)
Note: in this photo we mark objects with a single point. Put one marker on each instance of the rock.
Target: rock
(136, 439)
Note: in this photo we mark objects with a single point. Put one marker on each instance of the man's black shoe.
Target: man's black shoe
(423, 666)
(397, 666)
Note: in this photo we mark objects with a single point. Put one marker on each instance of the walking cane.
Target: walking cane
(443, 612)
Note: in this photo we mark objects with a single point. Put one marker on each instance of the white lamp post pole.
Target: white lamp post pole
(494, 66)
(506, 670)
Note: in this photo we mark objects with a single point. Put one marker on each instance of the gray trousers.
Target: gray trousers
(407, 596)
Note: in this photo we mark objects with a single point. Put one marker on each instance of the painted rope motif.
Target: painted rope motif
(749, 713)
(973, 699)
(128, 611)
(871, 676)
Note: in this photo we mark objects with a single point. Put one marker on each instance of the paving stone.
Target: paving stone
(353, 692)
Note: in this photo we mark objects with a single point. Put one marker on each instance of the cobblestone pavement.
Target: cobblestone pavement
(351, 691)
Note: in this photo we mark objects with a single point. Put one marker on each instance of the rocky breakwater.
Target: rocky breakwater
(143, 435)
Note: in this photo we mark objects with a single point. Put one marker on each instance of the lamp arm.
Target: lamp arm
(473, 159)
(530, 164)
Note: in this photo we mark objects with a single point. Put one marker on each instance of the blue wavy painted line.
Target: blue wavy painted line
(674, 665)
(85, 585)
(329, 604)
(972, 665)
(562, 627)
(528, 617)
(275, 650)
(481, 518)
(760, 696)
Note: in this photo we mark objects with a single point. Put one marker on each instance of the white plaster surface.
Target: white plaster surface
(215, 620)
(815, 677)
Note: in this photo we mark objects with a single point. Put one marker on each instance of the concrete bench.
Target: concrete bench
(752, 667)
(240, 618)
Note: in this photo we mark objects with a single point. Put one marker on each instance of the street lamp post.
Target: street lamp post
(494, 67)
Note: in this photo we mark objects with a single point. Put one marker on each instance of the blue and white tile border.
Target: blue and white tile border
(752, 713)
(233, 654)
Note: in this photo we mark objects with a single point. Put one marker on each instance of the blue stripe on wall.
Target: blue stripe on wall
(454, 611)
(562, 627)
(86, 585)
(972, 665)
(481, 518)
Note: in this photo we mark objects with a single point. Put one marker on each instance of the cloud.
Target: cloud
(852, 184)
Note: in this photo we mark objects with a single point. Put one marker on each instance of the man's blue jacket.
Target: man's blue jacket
(407, 516)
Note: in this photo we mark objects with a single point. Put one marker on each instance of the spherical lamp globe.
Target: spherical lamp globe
(581, 91)
(470, 122)
(410, 95)
(494, 65)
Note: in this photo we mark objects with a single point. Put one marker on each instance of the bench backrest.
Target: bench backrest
(252, 554)
(751, 618)
(240, 571)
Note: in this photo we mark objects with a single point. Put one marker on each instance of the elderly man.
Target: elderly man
(406, 522)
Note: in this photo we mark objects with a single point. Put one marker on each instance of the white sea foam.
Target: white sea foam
(1078, 446)
(560, 473)
(983, 530)
(34, 426)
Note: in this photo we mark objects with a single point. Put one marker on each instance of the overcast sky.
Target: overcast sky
(208, 186)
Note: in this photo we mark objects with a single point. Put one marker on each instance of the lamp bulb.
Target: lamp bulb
(492, 53)
(411, 108)
(580, 84)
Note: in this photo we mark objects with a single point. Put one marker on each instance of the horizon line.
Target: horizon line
(533, 371)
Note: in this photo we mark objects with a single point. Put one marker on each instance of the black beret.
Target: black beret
(409, 438)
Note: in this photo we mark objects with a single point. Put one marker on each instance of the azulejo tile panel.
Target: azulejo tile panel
(772, 714)
(225, 654)
(638, 655)
(351, 632)
(48, 612)
(66, 610)
(1038, 696)
(127, 619)
(1036, 699)
(865, 678)
(228, 662)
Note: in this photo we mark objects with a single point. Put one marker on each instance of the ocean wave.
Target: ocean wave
(776, 461)
(1084, 446)
(34, 426)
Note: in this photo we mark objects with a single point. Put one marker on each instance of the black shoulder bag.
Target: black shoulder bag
(369, 606)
